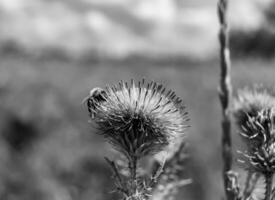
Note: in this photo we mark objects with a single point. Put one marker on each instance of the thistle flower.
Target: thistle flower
(250, 102)
(141, 119)
(254, 113)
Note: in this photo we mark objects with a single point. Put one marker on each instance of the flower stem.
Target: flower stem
(133, 174)
(268, 186)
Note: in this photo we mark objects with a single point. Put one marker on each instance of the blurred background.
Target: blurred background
(52, 52)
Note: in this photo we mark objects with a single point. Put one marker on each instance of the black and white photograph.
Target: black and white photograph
(137, 99)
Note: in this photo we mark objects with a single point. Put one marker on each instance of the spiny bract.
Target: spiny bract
(140, 119)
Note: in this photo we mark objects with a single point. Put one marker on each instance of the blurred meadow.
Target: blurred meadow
(53, 52)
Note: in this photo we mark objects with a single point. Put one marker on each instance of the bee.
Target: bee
(96, 96)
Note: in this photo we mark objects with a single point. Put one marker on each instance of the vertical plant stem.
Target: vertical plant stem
(133, 174)
(225, 94)
(268, 186)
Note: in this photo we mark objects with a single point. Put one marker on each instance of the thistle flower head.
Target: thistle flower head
(139, 119)
(255, 114)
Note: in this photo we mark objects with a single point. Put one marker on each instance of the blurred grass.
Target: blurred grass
(65, 158)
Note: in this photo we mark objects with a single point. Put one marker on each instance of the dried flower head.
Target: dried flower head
(139, 119)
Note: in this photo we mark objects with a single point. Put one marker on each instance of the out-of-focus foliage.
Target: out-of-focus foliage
(146, 27)
(270, 15)
(137, 27)
(43, 153)
(258, 41)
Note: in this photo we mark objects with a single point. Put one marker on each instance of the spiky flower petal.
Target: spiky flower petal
(140, 119)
